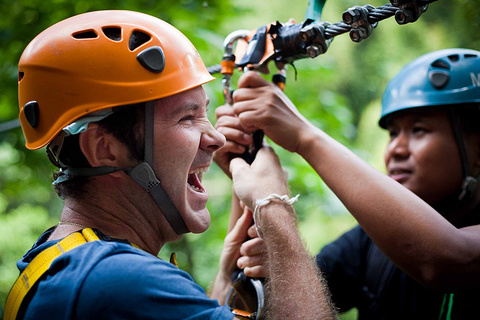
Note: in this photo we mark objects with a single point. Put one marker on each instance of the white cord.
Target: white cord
(263, 202)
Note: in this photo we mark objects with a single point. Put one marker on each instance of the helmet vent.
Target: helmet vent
(137, 39)
(21, 74)
(470, 56)
(88, 34)
(454, 57)
(31, 113)
(441, 64)
(113, 33)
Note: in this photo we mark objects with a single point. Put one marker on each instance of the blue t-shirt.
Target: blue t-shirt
(114, 280)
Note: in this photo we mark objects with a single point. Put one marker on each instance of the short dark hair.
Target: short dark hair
(469, 117)
(126, 124)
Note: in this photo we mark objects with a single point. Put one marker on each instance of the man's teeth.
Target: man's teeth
(195, 188)
(199, 170)
(195, 176)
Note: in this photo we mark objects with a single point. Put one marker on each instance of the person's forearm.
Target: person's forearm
(295, 289)
(409, 231)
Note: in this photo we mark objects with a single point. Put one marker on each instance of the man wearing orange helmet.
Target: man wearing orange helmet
(117, 99)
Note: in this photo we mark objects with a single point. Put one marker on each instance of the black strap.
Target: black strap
(69, 173)
(469, 184)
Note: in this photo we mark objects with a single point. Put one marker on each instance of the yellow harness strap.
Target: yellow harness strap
(39, 266)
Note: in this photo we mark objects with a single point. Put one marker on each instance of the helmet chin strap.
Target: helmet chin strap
(469, 183)
(144, 175)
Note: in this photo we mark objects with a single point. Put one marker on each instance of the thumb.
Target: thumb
(237, 164)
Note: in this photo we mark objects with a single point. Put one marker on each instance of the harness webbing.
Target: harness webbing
(39, 266)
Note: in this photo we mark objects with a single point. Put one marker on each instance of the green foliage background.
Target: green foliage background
(338, 91)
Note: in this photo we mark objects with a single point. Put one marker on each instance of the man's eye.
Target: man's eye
(187, 118)
(419, 130)
(392, 133)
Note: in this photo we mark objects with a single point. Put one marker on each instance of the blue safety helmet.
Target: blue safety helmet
(445, 77)
(441, 78)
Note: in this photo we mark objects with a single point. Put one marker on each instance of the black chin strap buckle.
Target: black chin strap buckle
(144, 176)
(469, 185)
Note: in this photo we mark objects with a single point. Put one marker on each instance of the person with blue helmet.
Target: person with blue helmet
(416, 251)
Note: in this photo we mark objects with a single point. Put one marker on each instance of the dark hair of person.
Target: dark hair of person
(126, 124)
(469, 117)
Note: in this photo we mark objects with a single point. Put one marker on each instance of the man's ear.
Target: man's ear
(101, 148)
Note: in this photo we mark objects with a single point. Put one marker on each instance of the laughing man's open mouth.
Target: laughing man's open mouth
(194, 178)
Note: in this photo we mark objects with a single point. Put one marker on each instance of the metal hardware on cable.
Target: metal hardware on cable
(227, 68)
(409, 10)
(311, 38)
(357, 18)
(228, 62)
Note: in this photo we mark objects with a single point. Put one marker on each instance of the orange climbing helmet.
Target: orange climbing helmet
(99, 60)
